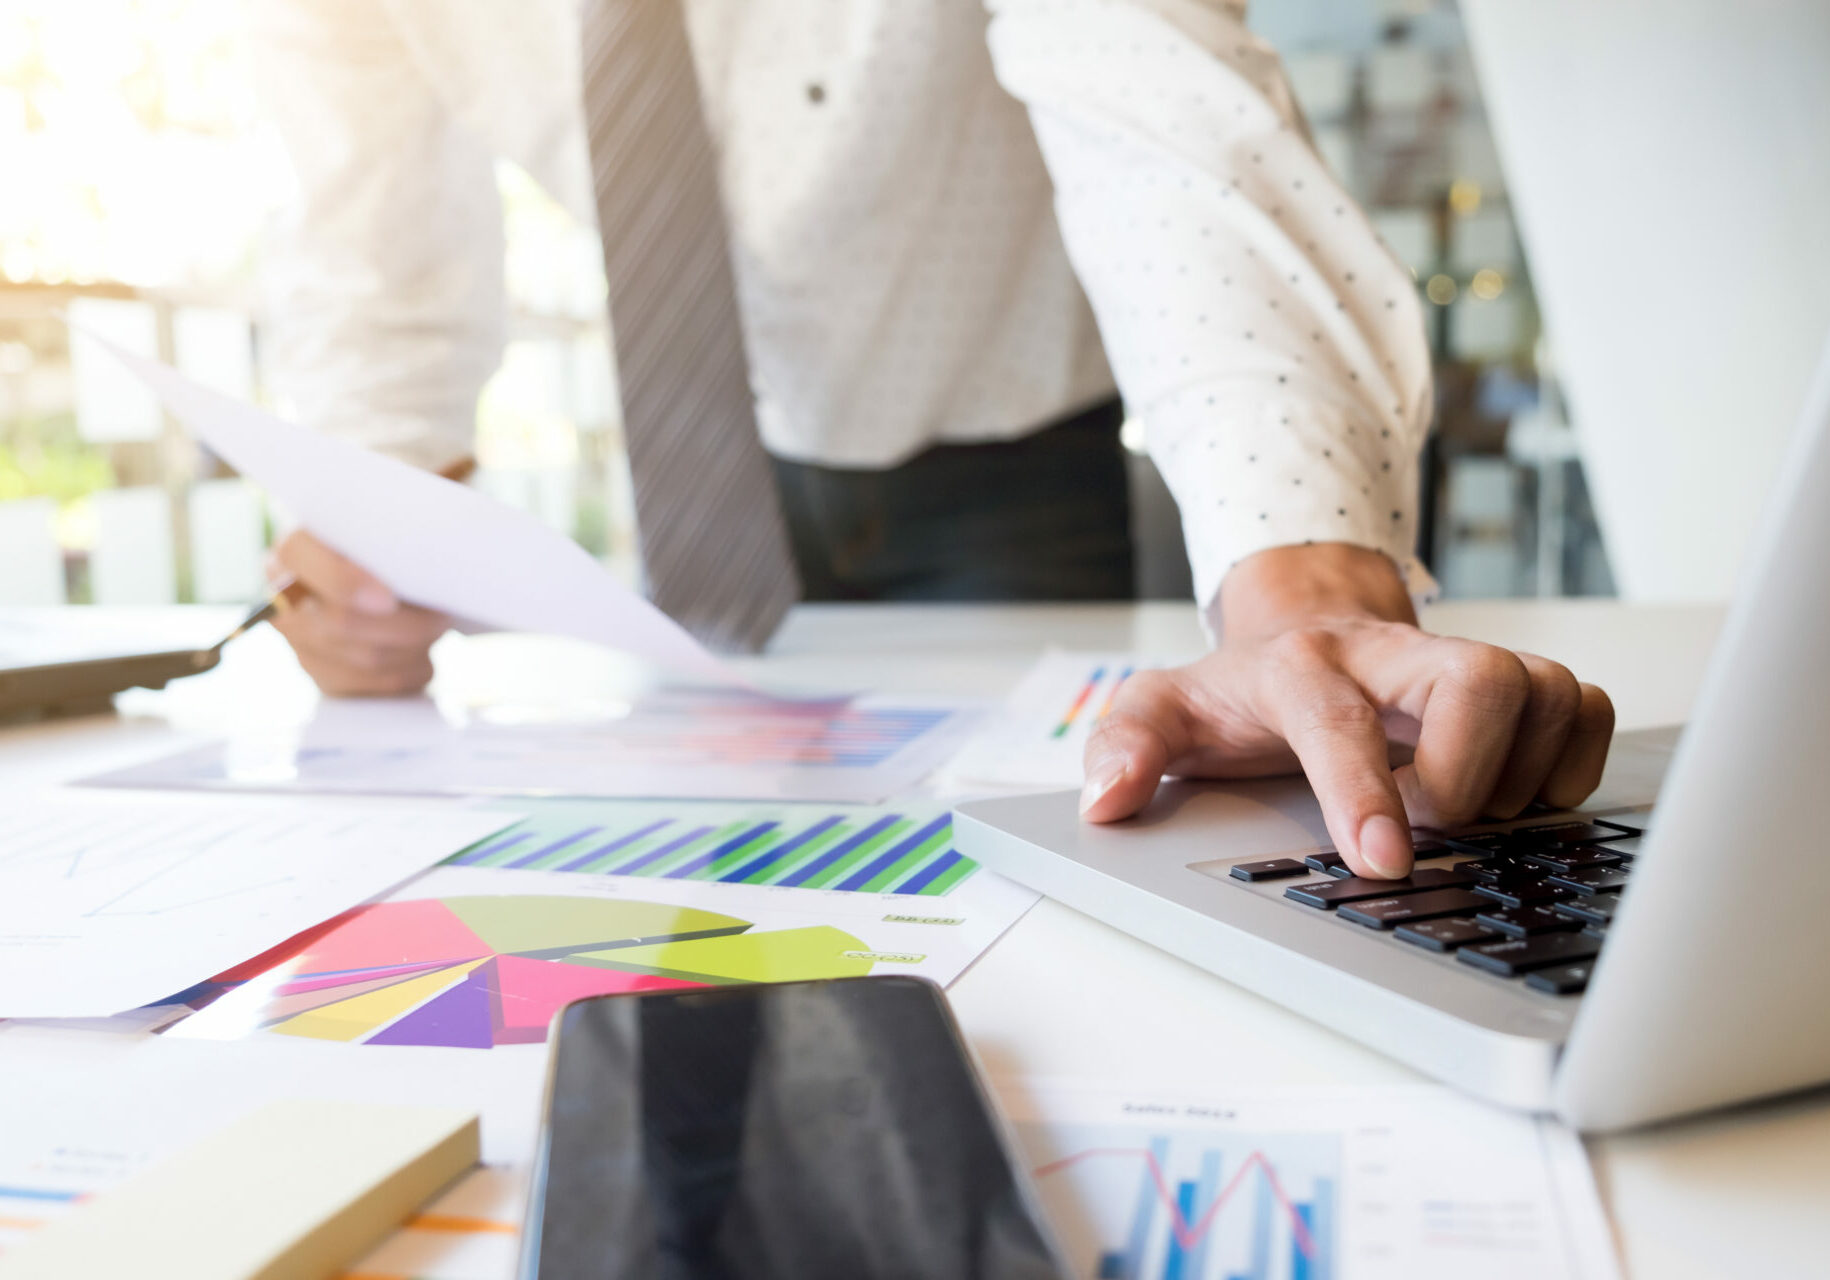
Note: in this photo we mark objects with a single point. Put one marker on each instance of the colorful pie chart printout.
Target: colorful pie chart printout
(478, 972)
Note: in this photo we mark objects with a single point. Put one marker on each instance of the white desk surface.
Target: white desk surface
(1738, 1194)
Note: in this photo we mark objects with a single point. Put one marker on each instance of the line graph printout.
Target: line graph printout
(1268, 1199)
(108, 903)
(1371, 1184)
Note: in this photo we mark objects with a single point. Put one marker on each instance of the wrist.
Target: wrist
(1285, 587)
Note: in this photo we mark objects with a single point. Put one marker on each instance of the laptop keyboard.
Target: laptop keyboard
(1531, 904)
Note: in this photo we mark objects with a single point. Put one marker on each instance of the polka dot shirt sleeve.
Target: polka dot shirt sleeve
(1271, 345)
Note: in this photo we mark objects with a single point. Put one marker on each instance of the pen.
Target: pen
(286, 593)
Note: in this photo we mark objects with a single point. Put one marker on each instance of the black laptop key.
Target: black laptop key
(1336, 865)
(1568, 857)
(1562, 979)
(1270, 869)
(1388, 913)
(1568, 833)
(1487, 842)
(1591, 880)
(1331, 893)
(1514, 956)
(1596, 910)
(1505, 869)
(1523, 893)
(1626, 846)
(1524, 922)
(1444, 935)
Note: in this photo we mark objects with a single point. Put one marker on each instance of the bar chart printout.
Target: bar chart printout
(901, 850)
(1038, 737)
(1245, 1207)
(1374, 1183)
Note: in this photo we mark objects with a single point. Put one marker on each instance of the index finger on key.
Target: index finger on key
(1339, 739)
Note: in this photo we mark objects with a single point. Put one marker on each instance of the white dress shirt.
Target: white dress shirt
(953, 220)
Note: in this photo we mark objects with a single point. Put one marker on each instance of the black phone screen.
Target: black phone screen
(796, 1130)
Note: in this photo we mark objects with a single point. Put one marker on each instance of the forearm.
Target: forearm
(385, 280)
(1271, 347)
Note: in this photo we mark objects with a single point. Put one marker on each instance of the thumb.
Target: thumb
(1148, 727)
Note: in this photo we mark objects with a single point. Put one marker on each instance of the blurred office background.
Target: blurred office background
(138, 181)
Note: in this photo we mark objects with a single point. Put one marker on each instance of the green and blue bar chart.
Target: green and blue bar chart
(896, 850)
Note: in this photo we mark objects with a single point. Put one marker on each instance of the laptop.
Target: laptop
(1617, 965)
(72, 660)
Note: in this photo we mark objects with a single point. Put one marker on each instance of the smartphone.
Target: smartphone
(776, 1131)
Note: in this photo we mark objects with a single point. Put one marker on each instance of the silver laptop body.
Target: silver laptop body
(1713, 981)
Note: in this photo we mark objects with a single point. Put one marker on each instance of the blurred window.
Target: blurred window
(1389, 90)
(139, 185)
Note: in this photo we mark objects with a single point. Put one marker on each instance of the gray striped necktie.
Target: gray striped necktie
(714, 546)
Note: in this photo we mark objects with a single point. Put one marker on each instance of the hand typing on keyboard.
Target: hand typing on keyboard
(1322, 668)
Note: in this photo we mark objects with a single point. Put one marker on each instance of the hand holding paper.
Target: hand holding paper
(352, 635)
(440, 545)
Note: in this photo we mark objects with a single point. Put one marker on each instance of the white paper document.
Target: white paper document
(108, 903)
(436, 543)
(1394, 1183)
(676, 743)
(1038, 737)
(471, 1232)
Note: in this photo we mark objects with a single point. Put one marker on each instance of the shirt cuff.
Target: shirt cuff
(1278, 473)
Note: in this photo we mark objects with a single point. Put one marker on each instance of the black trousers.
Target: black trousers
(1045, 517)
